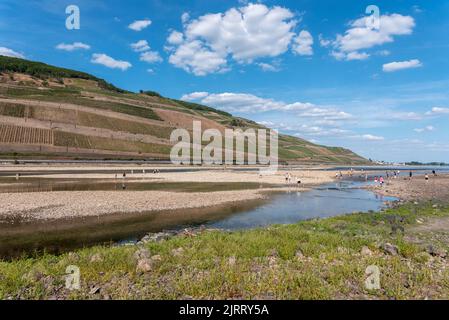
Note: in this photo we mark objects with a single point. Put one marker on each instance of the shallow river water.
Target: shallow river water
(17, 238)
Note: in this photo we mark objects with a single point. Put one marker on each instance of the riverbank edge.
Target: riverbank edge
(316, 259)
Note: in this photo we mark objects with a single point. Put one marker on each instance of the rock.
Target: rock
(73, 256)
(142, 254)
(232, 260)
(342, 250)
(96, 258)
(390, 249)
(299, 254)
(366, 251)
(144, 265)
(436, 252)
(156, 257)
(177, 252)
(188, 233)
(156, 237)
(435, 206)
(420, 221)
(95, 290)
(272, 261)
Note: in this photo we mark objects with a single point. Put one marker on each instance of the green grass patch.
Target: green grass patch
(253, 264)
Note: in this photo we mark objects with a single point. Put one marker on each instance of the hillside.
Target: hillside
(51, 112)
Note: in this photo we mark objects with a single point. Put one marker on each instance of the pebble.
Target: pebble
(177, 252)
(366, 251)
(96, 258)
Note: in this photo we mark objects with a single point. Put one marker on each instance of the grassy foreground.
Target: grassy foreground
(319, 259)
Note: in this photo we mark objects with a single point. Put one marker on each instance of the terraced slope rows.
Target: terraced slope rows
(25, 135)
(88, 113)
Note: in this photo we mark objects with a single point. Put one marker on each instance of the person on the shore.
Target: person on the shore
(426, 177)
(381, 181)
(410, 175)
(434, 173)
(375, 179)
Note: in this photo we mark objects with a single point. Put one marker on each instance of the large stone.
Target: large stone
(142, 254)
(436, 252)
(390, 249)
(144, 265)
(299, 255)
(156, 237)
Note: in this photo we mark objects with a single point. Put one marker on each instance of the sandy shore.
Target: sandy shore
(57, 205)
(417, 189)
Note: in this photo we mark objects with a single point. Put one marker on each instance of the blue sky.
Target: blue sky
(320, 70)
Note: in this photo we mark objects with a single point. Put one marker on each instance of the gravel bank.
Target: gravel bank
(58, 205)
(417, 189)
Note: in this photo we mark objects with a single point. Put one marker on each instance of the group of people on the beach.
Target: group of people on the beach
(380, 180)
(289, 179)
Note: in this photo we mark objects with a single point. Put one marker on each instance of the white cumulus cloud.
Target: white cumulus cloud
(10, 53)
(357, 56)
(150, 57)
(268, 67)
(302, 44)
(73, 46)
(194, 96)
(249, 103)
(141, 45)
(425, 129)
(362, 35)
(175, 37)
(139, 25)
(438, 111)
(371, 137)
(401, 65)
(107, 61)
(243, 34)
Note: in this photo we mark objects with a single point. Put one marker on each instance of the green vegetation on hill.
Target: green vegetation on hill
(151, 93)
(43, 71)
(200, 107)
